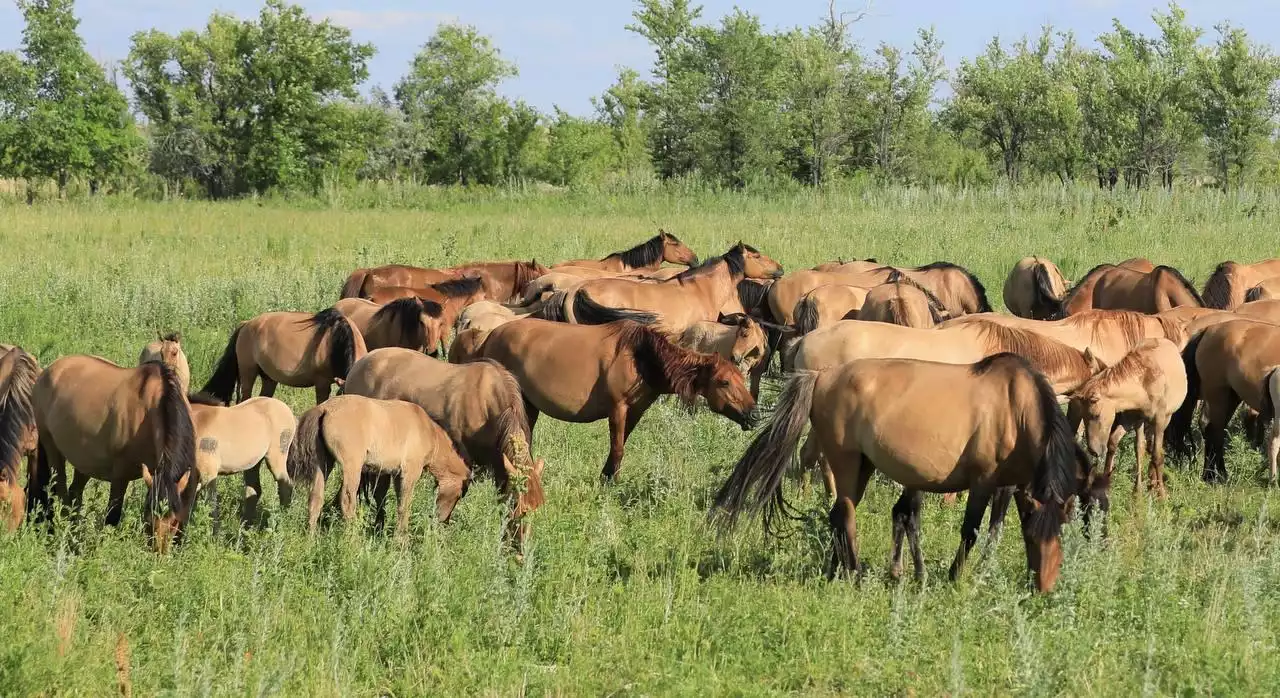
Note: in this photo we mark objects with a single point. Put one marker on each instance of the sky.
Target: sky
(570, 50)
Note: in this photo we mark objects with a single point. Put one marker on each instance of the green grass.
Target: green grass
(625, 588)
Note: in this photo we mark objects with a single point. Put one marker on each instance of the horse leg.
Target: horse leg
(115, 501)
(277, 462)
(974, 510)
(1113, 445)
(1219, 409)
(350, 488)
(1139, 448)
(851, 484)
(617, 440)
(381, 485)
(215, 505)
(1156, 476)
(252, 493)
(248, 376)
(268, 387)
(75, 494)
(906, 521)
(405, 484)
(322, 391)
(531, 413)
(913, 535)
(316, 500)
(999, 508)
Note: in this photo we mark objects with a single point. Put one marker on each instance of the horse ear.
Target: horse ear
(146, 476)
(1095, 364)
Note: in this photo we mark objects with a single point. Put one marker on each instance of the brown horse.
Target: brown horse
(901, 301)
(167, 349)
(381, 437)
(466, 345)
(1107, 334)
(1143, 390)
(1263, 310)
(957, 288)
(18, 435)
(585, 373)
(647, 256)
(1110, 287)
(480, 406)
(826, 305)
(737, 338)
(286, 348)
(1226, 364)
(1230, 282)
(1035, 289)
(978, 427)
(116, 424)
(1267, 289)
(240, 439)
(502, 281)
(411, 323)
(486, 315)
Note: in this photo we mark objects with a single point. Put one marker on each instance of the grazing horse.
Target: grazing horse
(383, 437)
(167, 349)
(18, 434)
(293, 349)
(502, 281)
(1035, 289)
(1267, 289)
(737, 338)
(1143, 390)
(1110, 287)
(1107, 334)
(826, 305)
(978, 427)
(956, 287)
(1230, 282)
(901, 301)
(411, 323)
(239, 439)
(1226, 364)
(480, 406)
(116, 424)
(585, 373)
(647, 256)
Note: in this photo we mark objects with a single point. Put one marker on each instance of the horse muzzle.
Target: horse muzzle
(749, 420)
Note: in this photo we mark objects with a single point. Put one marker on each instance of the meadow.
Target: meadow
(625, 589)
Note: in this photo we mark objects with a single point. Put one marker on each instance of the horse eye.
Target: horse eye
(722, 382)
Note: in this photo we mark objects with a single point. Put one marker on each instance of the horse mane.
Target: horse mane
(1177, 275)
(203, 398)
(1045, 354)
(936, 308)
(406, 314)
(1130, 323)
(664, 365)
(641, 255)
(512, 424)
(752, 295)
(1046, 301)
(177, 450)
(16, 413)
(1253, 294)
(342, 345)
(524, 274)
(1217, 290)
(1130, 365)
(462, 286)
(997, 360)
(735, 259)
(984, 305)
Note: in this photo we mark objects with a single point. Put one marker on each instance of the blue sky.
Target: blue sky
(569, 50)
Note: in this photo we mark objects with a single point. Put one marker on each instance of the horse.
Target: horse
(1108, 287)
(293, 349)
(240, 439)
(466, 345)
(18, 434)
(849, 266)
(1226, 364)
(1229, 284)
(826, 305)
(647, 256)
(737, 338)
(116, 424)
(1267, 289)
(383, 437)
(503, 281)
(486, 315)
(479, 404)
(1107, 334)
(411, 323)
(1264, 310)
(753, 298)
(168, 349)
(981, 426)
(1035, 288)
(901, 301)
(585, 373)
(957, 288)
(1142, 390)
(1192, 319)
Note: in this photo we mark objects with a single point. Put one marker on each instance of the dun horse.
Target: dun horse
(116, 424)
(167, 349)
(502, 281)
(901, 301)
(647, 256)
(1108, 334)
(380, 437)
(979, 427)
(1230, 282)
(411, 323)
(240, 439)
(581, 373)
(1035, 289)
(1143, 390)
(826, 305)
(957, 288)
(1110, 287)
(295, 349)
(18, 435)
(737, 338)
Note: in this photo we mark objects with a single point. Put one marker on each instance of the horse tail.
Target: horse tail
(175, 434)
(806, 314)
(589, 312)
(553, 308)
(1177, 435)
(1057, 478)
(1044, 301)
(1220, 290)
(354, 285)
(17, 418)
(226, 374)
(755, 485)
(1270, 386)
(515, 443)
(342, 340)
(309, 450)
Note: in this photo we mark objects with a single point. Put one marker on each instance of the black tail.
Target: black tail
(309, 451)
(553, 308)
(1059, 476)
(353, 287)
(342, 340)
(226, 374)
(1268, 411)
(17, 418)
(1177, 437)
(806, 313)
(589, 312)
(1045, 303)
(176, 435)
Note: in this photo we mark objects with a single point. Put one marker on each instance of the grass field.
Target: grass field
(625, 589)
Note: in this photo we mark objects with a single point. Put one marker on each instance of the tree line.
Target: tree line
(272, 103)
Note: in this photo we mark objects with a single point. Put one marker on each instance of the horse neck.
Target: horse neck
(714, 287)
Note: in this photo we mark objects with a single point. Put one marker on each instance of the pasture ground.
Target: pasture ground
(625, 589)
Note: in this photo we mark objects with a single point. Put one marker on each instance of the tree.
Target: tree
(892, 107)
(62, 117)
(1236, 101)
(680, 83)
(450, 97)
(621, 108)
(818, 65)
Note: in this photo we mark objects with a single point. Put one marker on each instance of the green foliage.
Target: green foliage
(1236, 101)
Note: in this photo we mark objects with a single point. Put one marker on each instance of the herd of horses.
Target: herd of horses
(906, 371)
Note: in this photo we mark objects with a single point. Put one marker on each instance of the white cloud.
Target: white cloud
(384, 19)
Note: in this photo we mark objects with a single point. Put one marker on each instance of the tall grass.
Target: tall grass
(625, 588)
